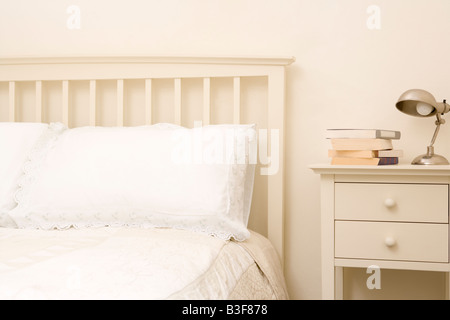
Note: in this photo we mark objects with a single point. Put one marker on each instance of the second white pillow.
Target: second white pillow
(17, 140)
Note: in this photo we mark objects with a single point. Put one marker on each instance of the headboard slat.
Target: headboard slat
(120, 102)
(65, 102)
(177, 102)
(237, 100)
(92, 102)
(148, 102)
(38, 101)
(12, 101)
(206, 101)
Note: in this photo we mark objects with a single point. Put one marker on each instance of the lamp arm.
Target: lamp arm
(438, 122)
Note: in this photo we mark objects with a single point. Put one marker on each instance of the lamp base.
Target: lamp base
(427, 159)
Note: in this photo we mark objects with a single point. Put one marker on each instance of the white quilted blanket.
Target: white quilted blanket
(114, 263)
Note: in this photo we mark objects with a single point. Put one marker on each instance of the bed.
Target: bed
(142, 178)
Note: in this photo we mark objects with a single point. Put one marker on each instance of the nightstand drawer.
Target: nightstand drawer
(391, 202)
(391, 241)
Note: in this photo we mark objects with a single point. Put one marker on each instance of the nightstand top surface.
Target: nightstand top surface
(398, 169)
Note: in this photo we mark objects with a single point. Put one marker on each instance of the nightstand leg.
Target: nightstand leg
(327, 237)
(333, 283)
(339, 283)
(447, 286)
(328, 283)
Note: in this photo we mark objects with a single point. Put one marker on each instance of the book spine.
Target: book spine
(387, 161)
(383, 134)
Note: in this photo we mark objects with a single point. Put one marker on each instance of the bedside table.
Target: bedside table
(394, 217)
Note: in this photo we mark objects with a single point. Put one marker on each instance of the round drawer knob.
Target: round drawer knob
(389, 203)
(389, 241)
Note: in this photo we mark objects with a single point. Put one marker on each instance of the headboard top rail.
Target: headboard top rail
(226, 60)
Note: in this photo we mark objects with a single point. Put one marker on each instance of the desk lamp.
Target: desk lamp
(421, 103)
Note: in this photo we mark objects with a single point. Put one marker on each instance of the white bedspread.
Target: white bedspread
(113, 263)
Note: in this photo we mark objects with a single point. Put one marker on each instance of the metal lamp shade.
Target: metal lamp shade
(407, 103)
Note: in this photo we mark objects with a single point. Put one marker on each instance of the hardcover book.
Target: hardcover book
(361, 144)
(364, 153)
(364, 161)
(362, 134)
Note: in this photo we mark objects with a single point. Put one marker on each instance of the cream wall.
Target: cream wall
(346, 75)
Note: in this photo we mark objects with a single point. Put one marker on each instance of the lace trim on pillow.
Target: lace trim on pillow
(225, 230)
(31, 166)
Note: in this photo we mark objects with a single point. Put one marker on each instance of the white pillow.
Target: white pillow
(17, 139)
(149, 176)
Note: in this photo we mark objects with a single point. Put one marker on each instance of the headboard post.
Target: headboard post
(276, 119)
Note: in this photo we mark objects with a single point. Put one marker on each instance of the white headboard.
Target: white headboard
(57, 88)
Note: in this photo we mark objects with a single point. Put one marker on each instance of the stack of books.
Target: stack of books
(363, 146)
